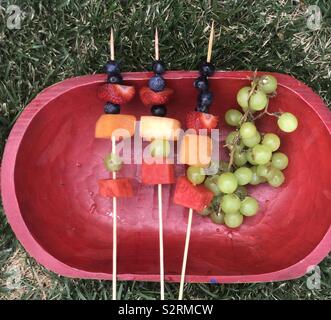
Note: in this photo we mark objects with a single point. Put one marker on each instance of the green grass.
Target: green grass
(61, 39)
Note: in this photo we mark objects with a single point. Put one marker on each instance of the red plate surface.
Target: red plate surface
(52, 163)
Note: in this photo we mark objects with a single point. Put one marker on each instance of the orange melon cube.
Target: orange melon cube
(159, 128)
(118, 125)
(195, 150)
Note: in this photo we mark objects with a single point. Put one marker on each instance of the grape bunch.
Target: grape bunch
(254, 157)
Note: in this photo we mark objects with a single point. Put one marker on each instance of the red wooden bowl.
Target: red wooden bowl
(52, 163)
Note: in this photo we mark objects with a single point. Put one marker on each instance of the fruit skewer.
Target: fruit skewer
(114, 126)
(159, 130)
(201, 144)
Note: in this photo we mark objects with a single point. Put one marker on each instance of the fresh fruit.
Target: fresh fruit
(227, 182)
(158, 67)
(115, 78)
(211, 184)
(233, 117)
(113, 162)
(233, 220)
(241, 192)
(253, 141)
(256, 179)
(277, 178)
(195, 150)
(119, 125)
(243, 97)
(205, 99)
(156, 83)
(287, 122)
(268, 84)
(239, 158)
(206, 212)
(249, 207)
(217, 217)
(159, 111)
(230, 203)
(157, 171)
(250, 157)
(258, 100)
(195, 174)
(264, 170)
(160, 148)
(247, 130)
(187, 195)
(198, 120)
(279, 160)
(223, 166)
(119, 188)
(150, 98)
(261, 154)
(272, 141)
(152, 127)
(116, 93)
(111, 108)
(206, 69)
(112, 67)
(244, 175)
(201, 83)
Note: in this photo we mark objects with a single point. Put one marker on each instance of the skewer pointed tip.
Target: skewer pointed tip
(210, 43)
(156, 44)
(111, 44)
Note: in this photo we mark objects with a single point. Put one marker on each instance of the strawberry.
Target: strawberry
(116, 93)
(200, 120)
(151, 98)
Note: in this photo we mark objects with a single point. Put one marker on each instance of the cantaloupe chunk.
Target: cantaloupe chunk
(195, 150)
(119, 125)
(159, 128)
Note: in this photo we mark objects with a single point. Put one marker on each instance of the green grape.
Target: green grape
(247, 130)
(265, 170)
(233, 117)
(279, 160)
(160, 148)
(253, 141)
(261, 154)
(195, 174)
(258, 100)
(217, 217)
(277, 178)
(113, 162)
(241, 192)
(272, 141)
(211, 184)
(230, 203)
(268, 84)
(227, 182)
(287, 122)
(250, 157)
(233, 220)
(239, 158)
(256, 179)
(244, 176)
(243, 96)
(216, 201)
(249, 207)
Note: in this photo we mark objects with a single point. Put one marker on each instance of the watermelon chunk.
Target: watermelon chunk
(119, 188)
(157, 173)
(187, 195)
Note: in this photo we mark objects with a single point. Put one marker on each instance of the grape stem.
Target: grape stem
(265, 111)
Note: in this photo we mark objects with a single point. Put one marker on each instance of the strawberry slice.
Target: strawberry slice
(151, 98)
(200, 120)
(116, 93)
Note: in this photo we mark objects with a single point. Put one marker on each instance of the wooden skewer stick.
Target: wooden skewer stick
(111, 45)
(189, 224)
(114, 228)
(156, 47)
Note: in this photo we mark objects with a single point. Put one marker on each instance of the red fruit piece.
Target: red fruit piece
(200, 120)
(151, 98)
(157, 173)
(116, 93)
(187, 195)
(119, 188)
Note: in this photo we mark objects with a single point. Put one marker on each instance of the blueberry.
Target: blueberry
(111, 108)
(205, 98)
(206, 69)
(204, 109)
(159, 110)
(115, 78)
(201, 83)
(158, 67)
(112, 67)
(156, 83)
